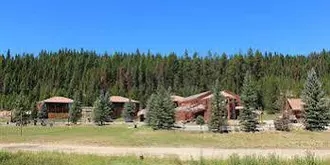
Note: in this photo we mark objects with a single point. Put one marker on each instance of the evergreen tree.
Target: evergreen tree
(161, 113)
(75, 110)
(218, 118)
(167, 110)
(271, 94)
(249, 98)
(34, 111)
(98, 115)
(43, 113)
(279, 104)
(317, 112)
(102, 109)
(151, 106)
(109, 106)
(200, 121)
(20, 109)
(128, 111)
(137, 74)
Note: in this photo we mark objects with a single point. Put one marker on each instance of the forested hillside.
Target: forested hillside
(137, 75)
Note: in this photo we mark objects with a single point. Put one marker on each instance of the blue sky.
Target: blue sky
(287, 26)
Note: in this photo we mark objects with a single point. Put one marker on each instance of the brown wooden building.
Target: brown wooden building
(200, 104)
(294, 107)
(118, 103)
(57, 107)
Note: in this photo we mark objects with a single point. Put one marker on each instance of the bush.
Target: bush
(200, 120)
(282, 124)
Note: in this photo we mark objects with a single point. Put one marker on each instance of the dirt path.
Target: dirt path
(182, 153)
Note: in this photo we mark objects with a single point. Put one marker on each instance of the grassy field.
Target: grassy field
(52, 158)
(121, 135)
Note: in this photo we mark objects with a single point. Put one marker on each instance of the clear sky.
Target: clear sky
(287, 26)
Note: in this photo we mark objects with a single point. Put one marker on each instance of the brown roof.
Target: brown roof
(229, 94)
(196, 96)
(119, 99)
(225, 94)
(296, 104)
(176, 98)
(58, 99)
(199, 107)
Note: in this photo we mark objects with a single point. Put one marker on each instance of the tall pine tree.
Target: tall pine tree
(218, 118)
(249, 98)
(161, 113)
(317, 114)
(150, 113)
(128, 111)
(20, 109)
(102, 109)
(75, 110)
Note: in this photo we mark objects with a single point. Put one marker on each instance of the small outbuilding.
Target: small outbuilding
(56, 107)
(294, 107)
(118, 103)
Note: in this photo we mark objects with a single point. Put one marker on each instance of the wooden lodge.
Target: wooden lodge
(200, 104)
(56, 107)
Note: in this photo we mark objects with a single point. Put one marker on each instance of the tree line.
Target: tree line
(315, 114)
(137, 75)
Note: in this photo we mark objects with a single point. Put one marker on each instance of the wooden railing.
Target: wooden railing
(58, 115)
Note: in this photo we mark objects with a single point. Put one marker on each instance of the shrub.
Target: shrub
(282, 124)
(200, 121)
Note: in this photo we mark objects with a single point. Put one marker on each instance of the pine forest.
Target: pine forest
(137, 75)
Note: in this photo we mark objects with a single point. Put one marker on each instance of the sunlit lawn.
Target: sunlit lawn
(121, 135)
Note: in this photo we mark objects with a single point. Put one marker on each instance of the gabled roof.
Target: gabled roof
(195, 108)
(230, 94)
(196, 96)
(226, 94)
(176, 98)
(120, 99)
(296, 104)
(58, 99)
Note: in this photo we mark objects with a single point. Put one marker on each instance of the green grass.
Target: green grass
(4, 119)
(267, 116)
(53, 158)
(121, 135)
